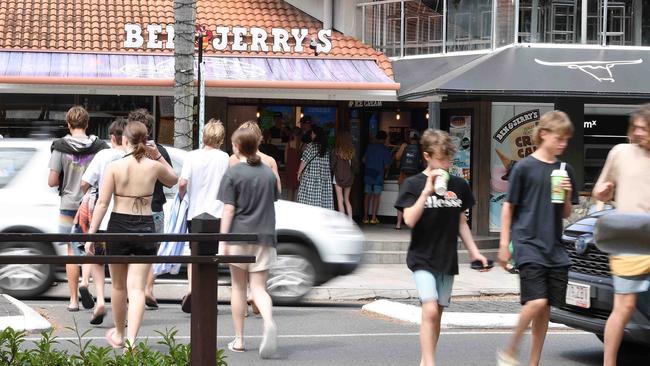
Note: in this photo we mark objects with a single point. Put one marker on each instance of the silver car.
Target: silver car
(314, 244)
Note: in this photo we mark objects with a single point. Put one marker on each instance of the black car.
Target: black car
(590, 295)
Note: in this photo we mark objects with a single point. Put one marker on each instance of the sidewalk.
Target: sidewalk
(395, 281)
(15, 314)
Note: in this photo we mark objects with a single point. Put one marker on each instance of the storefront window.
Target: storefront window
(30, 115)
(104, 109)
(469, 25)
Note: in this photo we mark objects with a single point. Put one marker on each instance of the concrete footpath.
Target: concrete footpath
(395, 281)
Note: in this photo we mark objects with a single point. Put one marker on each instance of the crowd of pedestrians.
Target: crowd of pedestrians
(118, 189)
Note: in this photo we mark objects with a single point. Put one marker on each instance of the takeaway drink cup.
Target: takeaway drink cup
(557, 192)
(440, 184)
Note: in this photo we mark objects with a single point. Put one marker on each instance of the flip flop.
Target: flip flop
(151, 302)
(186, 304)
(109, 338)
(254, 307)
(73, 309)
(98, 319)
(231, 346)
(86, 298)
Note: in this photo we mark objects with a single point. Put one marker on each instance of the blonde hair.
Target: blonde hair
(77, 117)
(253, 126)
(553, 122)
(642, 114)
(438, 144)
(344, 147)
(213, 133)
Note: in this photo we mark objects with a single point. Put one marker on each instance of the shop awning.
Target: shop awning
(550, 70)
(156, 72)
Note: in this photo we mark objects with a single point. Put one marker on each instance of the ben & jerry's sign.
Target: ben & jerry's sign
(260, 40)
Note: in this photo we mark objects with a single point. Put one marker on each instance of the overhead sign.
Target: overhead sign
(243, 39)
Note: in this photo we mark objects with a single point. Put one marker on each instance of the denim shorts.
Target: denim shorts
(373, 188)
(433, 286)
(631, 284)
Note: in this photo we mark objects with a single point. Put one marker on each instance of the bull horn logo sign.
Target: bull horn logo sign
(599, 70)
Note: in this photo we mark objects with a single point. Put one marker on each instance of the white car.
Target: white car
(314, 244)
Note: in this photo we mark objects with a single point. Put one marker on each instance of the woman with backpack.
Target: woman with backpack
(409, 157)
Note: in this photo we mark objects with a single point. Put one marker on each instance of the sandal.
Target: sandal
(111, 341)
(98, 319)
(186, 304)
(86, 298)
(254, 307)
(231, 346)
(73, 309)
(374, 221)
(151, 302)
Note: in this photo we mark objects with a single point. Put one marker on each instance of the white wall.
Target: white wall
(346, 19)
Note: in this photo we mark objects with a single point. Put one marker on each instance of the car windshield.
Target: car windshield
(12, 160)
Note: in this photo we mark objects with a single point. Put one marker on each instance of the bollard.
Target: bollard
(203, 328)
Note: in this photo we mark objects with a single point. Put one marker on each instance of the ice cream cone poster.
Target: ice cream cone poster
(512, 131)
(460, 129)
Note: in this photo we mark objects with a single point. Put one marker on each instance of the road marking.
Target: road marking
(343, 335)
(413, 314)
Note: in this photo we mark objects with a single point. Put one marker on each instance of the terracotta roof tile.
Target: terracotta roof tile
(98, 25)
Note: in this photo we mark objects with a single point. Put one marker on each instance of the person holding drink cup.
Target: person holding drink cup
(434, 205)
(541, 192)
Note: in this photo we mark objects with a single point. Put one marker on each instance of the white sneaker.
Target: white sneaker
(505, 360)
(269, 342)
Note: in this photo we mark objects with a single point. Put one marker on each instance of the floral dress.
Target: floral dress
(316, 182)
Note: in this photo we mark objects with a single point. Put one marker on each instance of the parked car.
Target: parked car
(590, 295)
(314, 244)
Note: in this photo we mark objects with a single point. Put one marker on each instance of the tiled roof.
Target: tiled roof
(98, 25)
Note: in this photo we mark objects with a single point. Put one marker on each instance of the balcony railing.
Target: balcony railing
(402, 28)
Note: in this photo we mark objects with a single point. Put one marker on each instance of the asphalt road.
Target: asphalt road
(340, 334)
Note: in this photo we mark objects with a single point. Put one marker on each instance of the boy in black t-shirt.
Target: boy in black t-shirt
(534, 223)
(436, 222)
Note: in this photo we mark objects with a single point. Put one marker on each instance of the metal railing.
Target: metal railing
(204, 239)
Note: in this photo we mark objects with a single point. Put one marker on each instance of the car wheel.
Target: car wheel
(26, 280)
(293, 275)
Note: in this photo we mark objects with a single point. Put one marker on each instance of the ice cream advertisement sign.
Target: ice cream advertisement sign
(512, 131)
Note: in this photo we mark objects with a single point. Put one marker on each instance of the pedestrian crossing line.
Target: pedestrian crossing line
(333, 335)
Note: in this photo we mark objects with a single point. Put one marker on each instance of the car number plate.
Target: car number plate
(578, 294)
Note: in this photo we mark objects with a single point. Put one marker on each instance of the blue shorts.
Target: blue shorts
(374, 188)
(631, 284)
(432, 287)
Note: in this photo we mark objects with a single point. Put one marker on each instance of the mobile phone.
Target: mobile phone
(478, 265)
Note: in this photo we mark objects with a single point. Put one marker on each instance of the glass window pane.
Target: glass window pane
(469, 25)
(12, 160)
(505, 22)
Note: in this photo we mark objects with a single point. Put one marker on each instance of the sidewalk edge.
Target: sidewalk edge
(30, 321)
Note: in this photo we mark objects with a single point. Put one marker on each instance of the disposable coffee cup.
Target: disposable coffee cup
(557, 192)
(440, 184)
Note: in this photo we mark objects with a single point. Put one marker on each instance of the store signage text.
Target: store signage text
(514, 123)
(364, 103)
(590, 124)
(259, 39)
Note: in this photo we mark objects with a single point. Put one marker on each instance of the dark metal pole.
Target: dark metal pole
(198, 88)
(203, 329)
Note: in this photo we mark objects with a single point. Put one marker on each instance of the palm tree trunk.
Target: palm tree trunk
(184, 29)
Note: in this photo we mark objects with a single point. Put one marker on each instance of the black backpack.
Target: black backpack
(411, 161)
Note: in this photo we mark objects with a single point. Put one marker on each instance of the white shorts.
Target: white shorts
(265, 256)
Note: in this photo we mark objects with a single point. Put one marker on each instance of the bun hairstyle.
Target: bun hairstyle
(247, 142)
(136, 134)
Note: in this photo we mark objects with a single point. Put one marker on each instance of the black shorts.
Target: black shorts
(130, 224)
(539, 282)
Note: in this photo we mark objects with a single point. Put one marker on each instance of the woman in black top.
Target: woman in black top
(436, 222)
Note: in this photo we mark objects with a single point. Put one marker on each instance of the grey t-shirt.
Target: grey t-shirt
(537, 222)
(73, 168)
(252, 190)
